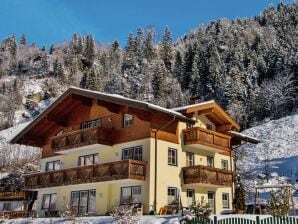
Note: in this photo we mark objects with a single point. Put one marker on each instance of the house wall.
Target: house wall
(142, 132)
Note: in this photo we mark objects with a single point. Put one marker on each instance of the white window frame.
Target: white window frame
(127, 120)
(224, 167)
(193, 198)
(51, 203)
(210, 158)
(225, 202)
(76, 207)
(190, 162)
(133, 153)
(175, 195)
(172, 158)
(54, 165)
(91, 124)
(132, 197)
(95, 159)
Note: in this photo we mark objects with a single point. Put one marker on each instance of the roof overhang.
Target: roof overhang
(83, 96)
(213, 112)
(243, 137)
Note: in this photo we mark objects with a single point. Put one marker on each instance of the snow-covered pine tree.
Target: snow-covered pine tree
(166, 48)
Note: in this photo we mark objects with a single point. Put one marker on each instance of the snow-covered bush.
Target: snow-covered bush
(199, 209)
(278, 204)
(124, 214)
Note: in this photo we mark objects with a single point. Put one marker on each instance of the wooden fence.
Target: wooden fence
(239, 220)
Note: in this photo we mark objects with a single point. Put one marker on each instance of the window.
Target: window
(49, 201)
(225, 200)
(131, 195)
(91, 124)
(190, 161)
(224, 164)
(88, 159)
(172, 157)
(83, 202)
(190, 197)
(53, 165)
(127, 120)
(209, 127)
(135, 153)
(210, 161)
(6, 206)
(172, 195)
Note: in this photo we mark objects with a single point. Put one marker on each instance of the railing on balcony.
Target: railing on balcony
(126, 169)
(17, 214)
(83, 137)
(207, 175)
(16, 195)
(207, 137)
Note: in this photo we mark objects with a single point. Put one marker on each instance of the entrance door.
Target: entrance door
(211, 201)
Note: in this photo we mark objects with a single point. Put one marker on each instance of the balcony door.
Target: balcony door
(83, 202)
(211, 201)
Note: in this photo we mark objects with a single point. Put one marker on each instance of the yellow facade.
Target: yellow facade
(108, 193)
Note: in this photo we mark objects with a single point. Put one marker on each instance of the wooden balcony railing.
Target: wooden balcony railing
(126, 169)
(17, 214)
(207, 175)
(207, 137)
(83, 137)
(16, 195)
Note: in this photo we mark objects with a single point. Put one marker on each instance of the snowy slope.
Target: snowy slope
(280, 147)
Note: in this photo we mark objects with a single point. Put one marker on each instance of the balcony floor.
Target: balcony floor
(79, 149)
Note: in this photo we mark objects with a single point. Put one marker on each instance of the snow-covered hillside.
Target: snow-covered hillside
(279, 147)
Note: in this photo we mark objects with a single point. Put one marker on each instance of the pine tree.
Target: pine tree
(52, 49)
(159, 74)
(23, 40)
(166, 48)
(130, 52)
(240, 194)
(148, 48)
(89, 51)
(139, 46)
(187, 68)
(178, 68)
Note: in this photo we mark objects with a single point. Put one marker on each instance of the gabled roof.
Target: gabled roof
(212, 111)
(67, 99)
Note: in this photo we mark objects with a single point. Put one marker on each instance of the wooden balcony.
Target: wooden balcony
(204, 175)
(126, 169)
(207, 139)
(17, 214)
(10, 196)
(81, 138)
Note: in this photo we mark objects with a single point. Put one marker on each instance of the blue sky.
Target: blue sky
(54, 21)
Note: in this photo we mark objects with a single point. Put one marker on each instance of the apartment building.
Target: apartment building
(101, 150)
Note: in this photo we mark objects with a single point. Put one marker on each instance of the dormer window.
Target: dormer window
(91, 124)
(127, 120)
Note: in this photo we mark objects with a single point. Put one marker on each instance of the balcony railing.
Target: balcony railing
(83, 137)
(16, 195)
(207, 137)
(126, 169)
(207, 175)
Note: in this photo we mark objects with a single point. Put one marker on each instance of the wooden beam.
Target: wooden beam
(205, 111)
(223, 128)
(61, 121)
(84, 100)
(37, 140)
(112, 107)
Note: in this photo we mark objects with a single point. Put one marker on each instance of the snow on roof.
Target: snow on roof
(149, 105)
(244, 137)
(192, 105)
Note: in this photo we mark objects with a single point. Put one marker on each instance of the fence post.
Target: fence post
(258, 219)
(215, 220)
